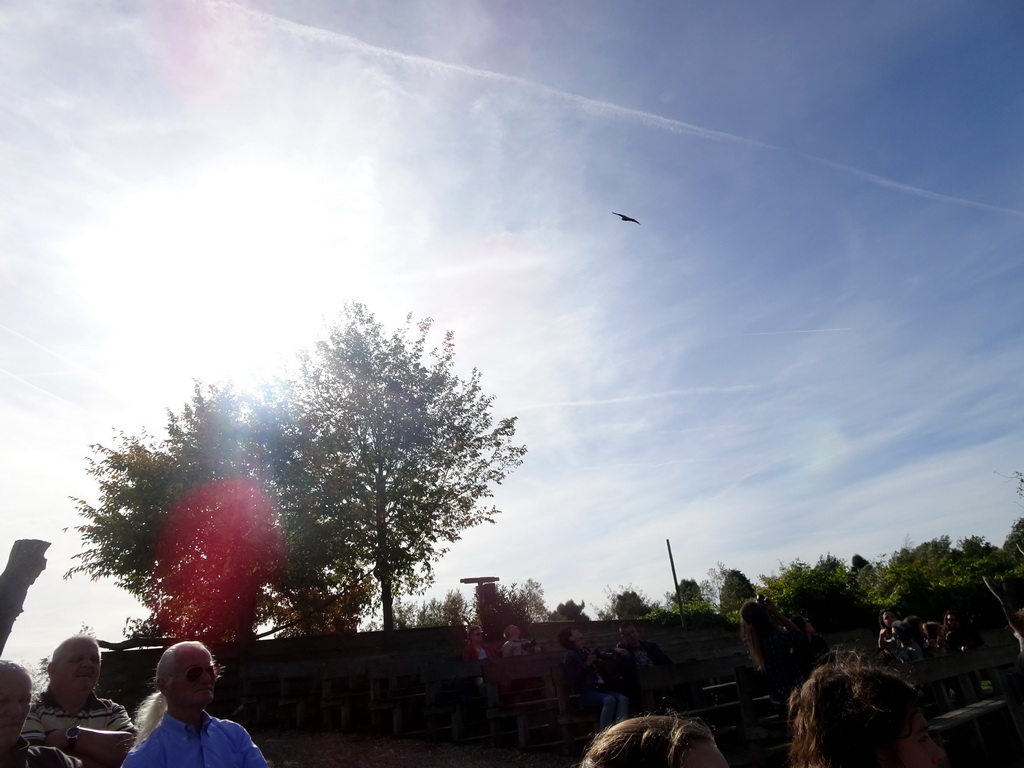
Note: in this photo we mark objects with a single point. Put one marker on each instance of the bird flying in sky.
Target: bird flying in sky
(624, 217)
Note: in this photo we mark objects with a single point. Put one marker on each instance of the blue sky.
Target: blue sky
(810, 344)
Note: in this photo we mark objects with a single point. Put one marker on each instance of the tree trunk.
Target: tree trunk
(387, 604)
(24, 565)
(1009, 591)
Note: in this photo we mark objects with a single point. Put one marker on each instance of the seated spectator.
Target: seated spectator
(770, 639)
(15, 700)
(174, 729)
(917, 630)
(904, 648)
(69, 716)
(935, 643)
(655, 742)
(476, 649)
(812, 653)
(885, 635)
(584, 674)
(640, 653)
(515, 645)
(958, 632)
(850, 714)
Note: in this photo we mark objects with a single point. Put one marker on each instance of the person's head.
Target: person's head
(74, 667)
(629, 634)
(954, 620)
(186, 675)
(932, 631)
(15, 700)
(662, 741)
(475, 635)
(851, 714)
(511, 632)
(903, 631)
(570, 638)
(886, 617)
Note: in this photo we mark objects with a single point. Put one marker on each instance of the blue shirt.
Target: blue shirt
(174, 744)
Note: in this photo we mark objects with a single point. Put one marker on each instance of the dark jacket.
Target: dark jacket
(653, 652)
(583, 677)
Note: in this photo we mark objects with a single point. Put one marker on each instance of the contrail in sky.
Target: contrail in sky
(597, 106)
(34, 343)
(640, 398)
(782, 333)
(30, 385)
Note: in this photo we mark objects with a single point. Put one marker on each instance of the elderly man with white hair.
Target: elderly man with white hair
(175, 731)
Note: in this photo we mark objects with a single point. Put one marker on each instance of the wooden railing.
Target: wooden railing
(972, 700)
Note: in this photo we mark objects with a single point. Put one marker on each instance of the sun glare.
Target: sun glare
(232, 264)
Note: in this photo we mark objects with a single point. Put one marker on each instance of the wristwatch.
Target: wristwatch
(72, 737)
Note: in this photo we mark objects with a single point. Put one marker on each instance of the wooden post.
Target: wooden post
(675, 582)
(24, 565)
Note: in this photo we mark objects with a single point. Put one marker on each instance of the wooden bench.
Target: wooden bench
(957, 697)
(521, 689)
(575, 725)
(279, 693)
(452, 693)
(344, 693)
(396, 689)
(728, 694)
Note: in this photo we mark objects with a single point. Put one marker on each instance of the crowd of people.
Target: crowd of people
(911, 639)
(843, 711)
(68, 726)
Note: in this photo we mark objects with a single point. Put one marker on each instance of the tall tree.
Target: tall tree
(345, 486)
(414, 447)
(186, 523)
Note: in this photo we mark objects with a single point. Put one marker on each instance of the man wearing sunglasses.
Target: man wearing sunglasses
(175, 730)
(69, 716)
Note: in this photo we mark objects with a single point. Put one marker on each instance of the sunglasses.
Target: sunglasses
(194, 672)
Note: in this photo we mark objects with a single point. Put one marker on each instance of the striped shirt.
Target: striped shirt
(47, 716)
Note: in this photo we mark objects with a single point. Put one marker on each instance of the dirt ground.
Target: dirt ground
(295, 749)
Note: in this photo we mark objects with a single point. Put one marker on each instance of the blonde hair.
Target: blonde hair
(153, 708)
(654, 741)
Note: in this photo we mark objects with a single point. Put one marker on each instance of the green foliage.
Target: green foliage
(189, 524)
(698, 614)
(371, 462)
(736, 589)
(569, 611)
(689, 591)
(521, 605)
(453, 611)
(1013, 547)
(827, 592)
(628, 603)
(512, 604)
(416, 446)
(934, 576)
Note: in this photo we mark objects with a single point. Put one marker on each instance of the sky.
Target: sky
(811, 342)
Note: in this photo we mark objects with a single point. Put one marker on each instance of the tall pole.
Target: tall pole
(675, 582)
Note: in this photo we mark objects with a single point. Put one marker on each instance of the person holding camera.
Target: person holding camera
(583, 667)
(771, 638)
(515, 645)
